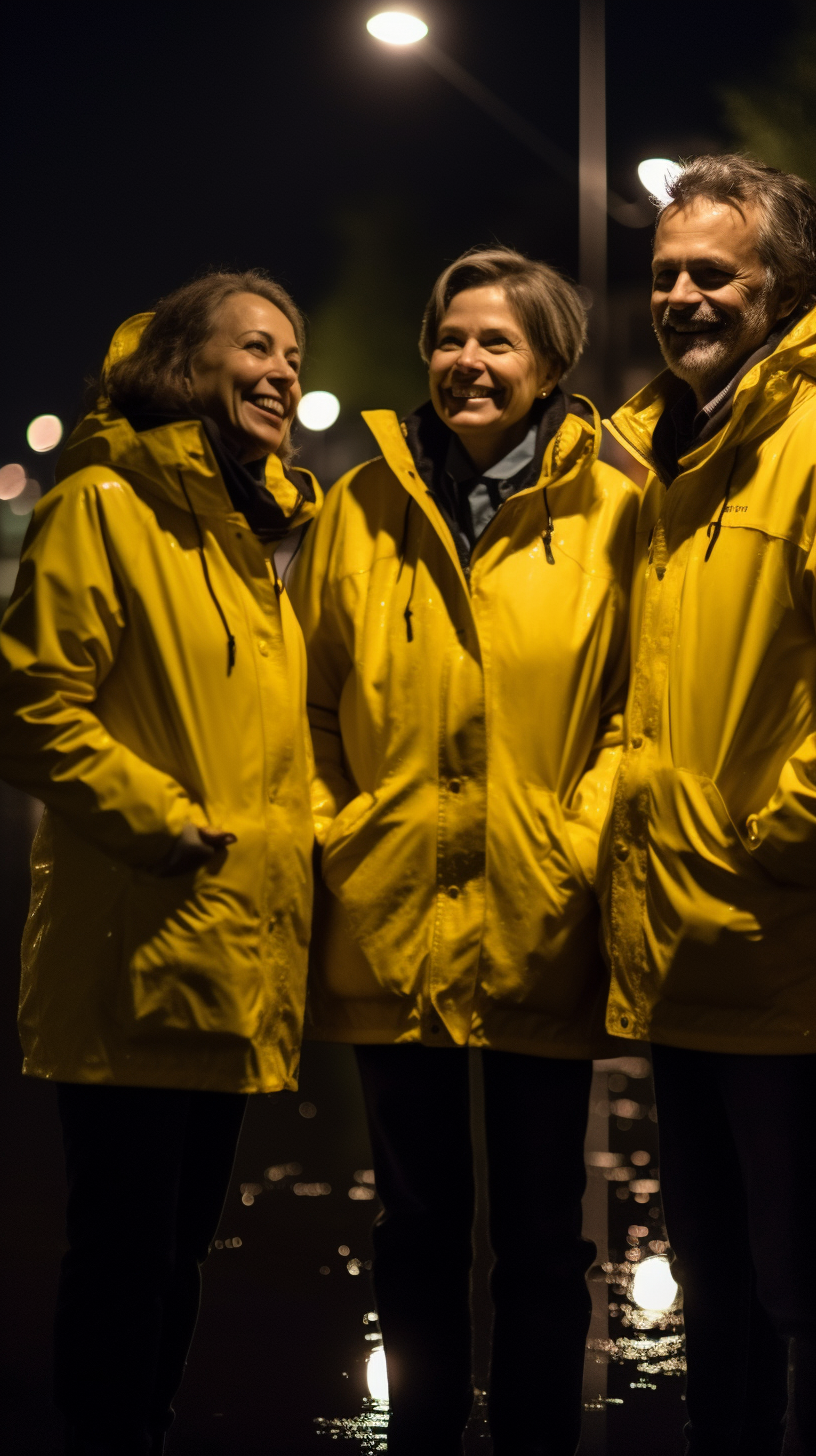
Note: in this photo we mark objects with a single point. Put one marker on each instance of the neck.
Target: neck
(486, 449)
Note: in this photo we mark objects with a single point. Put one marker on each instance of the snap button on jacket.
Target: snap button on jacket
(708, 864)
(119, 712)
(466, 733)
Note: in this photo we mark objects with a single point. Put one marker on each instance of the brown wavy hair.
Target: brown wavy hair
(155, 378)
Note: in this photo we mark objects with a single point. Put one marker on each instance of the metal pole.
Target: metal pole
(592, 186)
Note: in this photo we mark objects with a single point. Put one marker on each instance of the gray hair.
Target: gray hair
(786, 241)
(547, 305)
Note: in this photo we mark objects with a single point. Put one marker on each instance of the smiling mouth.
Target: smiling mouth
(472, 391)
(269, 404)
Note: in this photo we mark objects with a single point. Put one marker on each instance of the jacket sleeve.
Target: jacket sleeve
(589, 804)
(313, 592)
(58, 643)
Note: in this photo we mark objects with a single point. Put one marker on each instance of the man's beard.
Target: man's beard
(707, 361)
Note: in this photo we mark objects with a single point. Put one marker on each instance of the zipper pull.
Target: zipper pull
(547, 535)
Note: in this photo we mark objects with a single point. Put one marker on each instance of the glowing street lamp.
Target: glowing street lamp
(397, 27)
(656, 174)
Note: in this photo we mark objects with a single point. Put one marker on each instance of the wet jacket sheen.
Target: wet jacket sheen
(708, 869)
(118, 711)
(466, 732)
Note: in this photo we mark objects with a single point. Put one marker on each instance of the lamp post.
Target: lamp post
(592, 189)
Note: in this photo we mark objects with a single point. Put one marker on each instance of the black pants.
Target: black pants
(737, 1154)
(418, 1106)
(148, 1170)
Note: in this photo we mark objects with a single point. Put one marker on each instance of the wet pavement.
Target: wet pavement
(280, 1361)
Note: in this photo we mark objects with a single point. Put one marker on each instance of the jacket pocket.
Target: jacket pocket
(559, 853)
(343, 832)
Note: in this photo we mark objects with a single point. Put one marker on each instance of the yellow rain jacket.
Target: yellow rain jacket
(466, 734)
(708, 865)
(119, 713)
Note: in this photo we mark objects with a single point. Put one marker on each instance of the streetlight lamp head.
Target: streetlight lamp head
(655, 174)
(397, 27)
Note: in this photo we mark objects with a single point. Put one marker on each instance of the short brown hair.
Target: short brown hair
(154, 376)
(787, 234)
(547, 305)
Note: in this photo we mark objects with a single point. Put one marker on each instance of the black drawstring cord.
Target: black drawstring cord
(407, 614)
(714, 527)
(547, 536)
(206, 570)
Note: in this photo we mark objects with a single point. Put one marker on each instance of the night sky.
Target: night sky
(144, 143)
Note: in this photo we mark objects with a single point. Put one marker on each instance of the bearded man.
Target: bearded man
(708, 874)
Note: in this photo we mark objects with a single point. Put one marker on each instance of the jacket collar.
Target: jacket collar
(159, 454)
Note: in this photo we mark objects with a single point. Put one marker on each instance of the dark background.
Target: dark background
(140, 145)
(143, 143)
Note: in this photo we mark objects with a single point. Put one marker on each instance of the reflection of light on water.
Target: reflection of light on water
(377, 1375)
(368, 1429)
(654, 1286)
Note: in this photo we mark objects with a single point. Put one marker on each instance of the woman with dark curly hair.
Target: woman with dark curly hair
(152, 679)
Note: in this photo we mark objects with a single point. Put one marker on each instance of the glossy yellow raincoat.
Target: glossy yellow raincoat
(119, 713)
(466, 733)
(709, 859)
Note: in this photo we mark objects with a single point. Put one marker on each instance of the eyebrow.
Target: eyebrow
(688, 265)
(293, 348)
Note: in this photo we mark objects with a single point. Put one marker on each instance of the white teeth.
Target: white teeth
(266, 402)
(474, 393)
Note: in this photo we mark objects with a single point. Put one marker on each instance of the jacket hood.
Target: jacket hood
(157, 454)
(763, 396)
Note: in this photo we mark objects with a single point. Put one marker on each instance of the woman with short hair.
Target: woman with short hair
(464, 602)
(152, 684)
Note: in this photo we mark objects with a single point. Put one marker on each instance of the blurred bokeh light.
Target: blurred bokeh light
(318, 410)
(12, 481)
(654, 1286)
(377, 1375)
(44, 433)
(24, 502)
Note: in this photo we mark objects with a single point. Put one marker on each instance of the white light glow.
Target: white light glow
(44, 433)
(377, 1375)
(12, 481)
(395, 27)
(654, 1286)
(24, 503)
(655, 174)
(318, 410)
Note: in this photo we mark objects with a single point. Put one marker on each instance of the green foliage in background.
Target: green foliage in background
(362, 338)
(775, 118)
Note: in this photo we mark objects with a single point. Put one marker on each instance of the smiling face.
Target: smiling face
(712, 303)
(245, 376)
(484, 375)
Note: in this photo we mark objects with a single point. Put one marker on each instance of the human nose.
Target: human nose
(282, 370)
(470, 356)
(684, 292)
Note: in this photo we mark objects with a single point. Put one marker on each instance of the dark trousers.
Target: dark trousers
(418, 1105)
(148, 1170)
(737, 1154)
